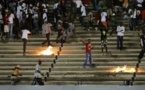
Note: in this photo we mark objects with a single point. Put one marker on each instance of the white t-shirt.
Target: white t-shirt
(37, 74)
(44, 16)
(103, 16)
(120, 30)
(25, 33)
(55, 5)
(11, 18)
(83, 10)
(129, 11)
(139, 3)
(78, 3)
(19, 13)
(0, 6)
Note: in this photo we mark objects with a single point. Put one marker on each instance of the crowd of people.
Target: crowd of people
(38, 16)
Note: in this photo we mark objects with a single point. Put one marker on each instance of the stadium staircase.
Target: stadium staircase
(65, 66)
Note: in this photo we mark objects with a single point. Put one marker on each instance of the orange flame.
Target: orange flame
(48, 51)
(124, 69)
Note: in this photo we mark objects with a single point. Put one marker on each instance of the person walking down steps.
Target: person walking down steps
(38, 74)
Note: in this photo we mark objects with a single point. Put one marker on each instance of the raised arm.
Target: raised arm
(82, 41)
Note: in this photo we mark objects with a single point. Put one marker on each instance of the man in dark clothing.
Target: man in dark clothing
(103, 32)
(113, 24)
(142, 44)
(6, 29)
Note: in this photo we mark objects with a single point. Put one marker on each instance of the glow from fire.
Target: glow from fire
(124, 69)
(48, 51)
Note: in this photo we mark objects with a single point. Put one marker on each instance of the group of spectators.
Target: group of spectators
(37, 16)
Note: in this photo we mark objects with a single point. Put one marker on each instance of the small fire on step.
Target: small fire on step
(48, 51)
(124, 69)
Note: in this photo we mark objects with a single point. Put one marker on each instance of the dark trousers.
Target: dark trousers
(82, 20)
(24, 45)
(94, 3)
(113, 29)
(119, 42)
(141, 54)
(47, 40)
(104, 47)
(37, 80)
(6, 35)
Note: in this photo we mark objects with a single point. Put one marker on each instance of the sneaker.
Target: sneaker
(96, 28)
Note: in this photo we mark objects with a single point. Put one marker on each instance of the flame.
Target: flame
(132, 70)
(118, 69)
(124, 69)
(48, 51)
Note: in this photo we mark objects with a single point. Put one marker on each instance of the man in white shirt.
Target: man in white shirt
(38, 75)
(46, 31)
(120, 34)
(19, 13)
(78, 6)
(25, 33)
(83, 11)
(11, 21)
(103, 19)
(78, 3)
(44, 16)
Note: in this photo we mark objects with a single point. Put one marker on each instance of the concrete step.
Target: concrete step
(64, 59)
(73, 43)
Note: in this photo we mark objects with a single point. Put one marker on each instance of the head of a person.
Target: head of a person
(39, 61)
(18, 67)
(121, 24)
(46, 22)
(89, 40)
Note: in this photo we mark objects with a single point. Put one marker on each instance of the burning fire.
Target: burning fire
(48, 51)
(124, 69)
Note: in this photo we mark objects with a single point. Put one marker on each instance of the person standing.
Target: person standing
(142, 45)
(83, 14)
(15, 75)
(113, 24)
(1, 23)
(120, 34)
(6, 28)
(25, 33)
(46, 30)
(88, 52)
(38, 75)
(11, 21)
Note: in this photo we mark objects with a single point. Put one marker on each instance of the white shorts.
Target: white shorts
(6, 28)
